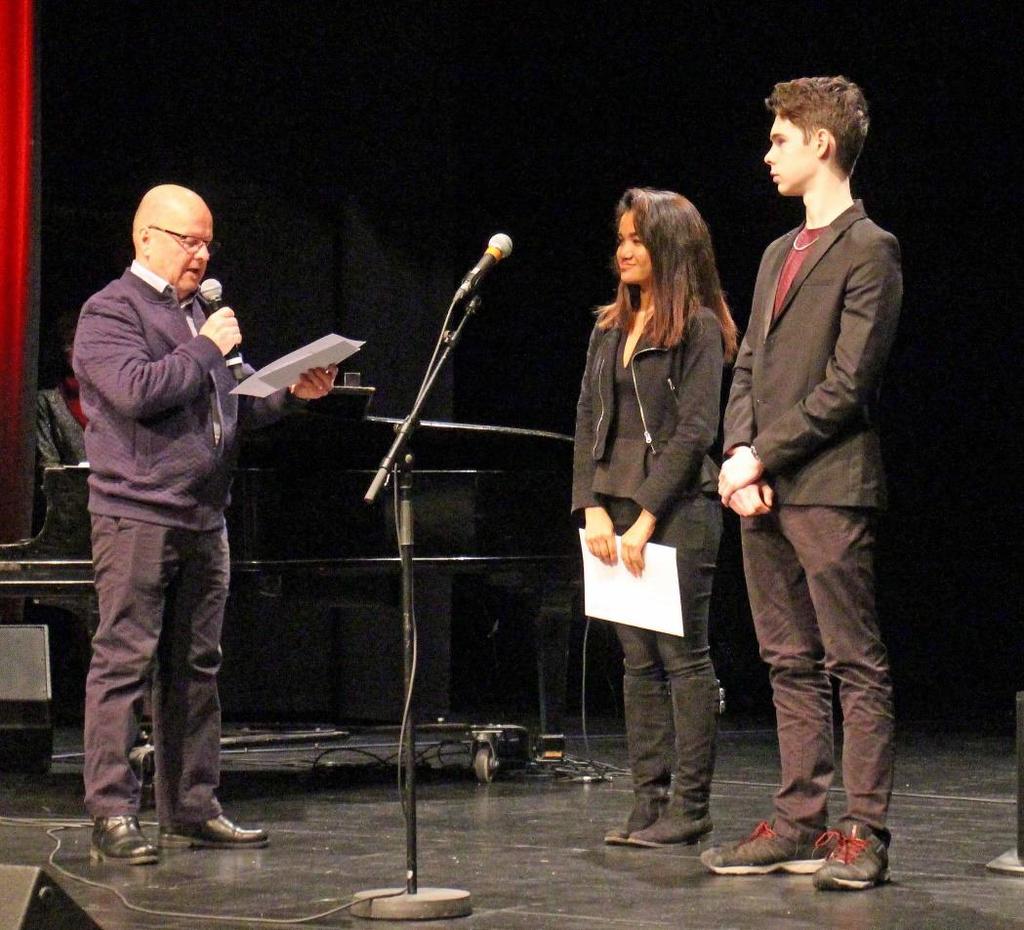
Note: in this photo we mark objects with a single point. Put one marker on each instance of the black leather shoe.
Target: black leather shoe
(219, 833)
(120, 839)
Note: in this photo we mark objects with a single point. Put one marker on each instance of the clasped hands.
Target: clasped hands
(222, 329)
(741, 487)
(599, 535)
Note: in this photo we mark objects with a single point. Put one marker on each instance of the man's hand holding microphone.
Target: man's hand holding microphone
(222, 329)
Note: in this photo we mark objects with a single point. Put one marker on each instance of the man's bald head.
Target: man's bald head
(169, 222)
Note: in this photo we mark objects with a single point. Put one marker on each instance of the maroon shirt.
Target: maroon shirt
(793, 262)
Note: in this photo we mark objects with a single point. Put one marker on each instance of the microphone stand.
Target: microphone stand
(412, 903)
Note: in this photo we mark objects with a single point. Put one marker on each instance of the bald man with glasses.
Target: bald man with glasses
(161, 441)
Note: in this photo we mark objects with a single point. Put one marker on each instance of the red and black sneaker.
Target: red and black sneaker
(858, 860)
(765, 851)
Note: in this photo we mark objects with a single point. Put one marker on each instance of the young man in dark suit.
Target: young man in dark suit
(804, 473)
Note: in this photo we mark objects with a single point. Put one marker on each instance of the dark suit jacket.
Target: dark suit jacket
(806, 385)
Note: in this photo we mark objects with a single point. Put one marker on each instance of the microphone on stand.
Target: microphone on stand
(499, 247)
(213, 295)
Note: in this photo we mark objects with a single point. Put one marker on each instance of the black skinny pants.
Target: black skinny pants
(694, 528)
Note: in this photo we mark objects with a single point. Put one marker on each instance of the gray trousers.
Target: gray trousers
(162, 592)
(810, 577)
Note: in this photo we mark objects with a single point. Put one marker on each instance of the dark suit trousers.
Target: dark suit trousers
(162, 592)
(810, 576)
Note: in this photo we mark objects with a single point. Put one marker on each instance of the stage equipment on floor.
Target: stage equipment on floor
(499, 746)
(143, 762)
(31, 900)
(26, 730)
(1010, 861)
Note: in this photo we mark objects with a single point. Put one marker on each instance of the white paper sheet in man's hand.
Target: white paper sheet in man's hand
(328, 350)
(650, 601)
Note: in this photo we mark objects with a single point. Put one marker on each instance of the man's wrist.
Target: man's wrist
(739, 446)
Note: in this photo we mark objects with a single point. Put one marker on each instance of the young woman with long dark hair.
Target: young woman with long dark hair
(647, 417)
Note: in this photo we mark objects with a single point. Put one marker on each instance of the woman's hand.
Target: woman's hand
(634, 540)
(599, 534)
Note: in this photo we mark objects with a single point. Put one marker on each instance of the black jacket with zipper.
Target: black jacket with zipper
(679, 392)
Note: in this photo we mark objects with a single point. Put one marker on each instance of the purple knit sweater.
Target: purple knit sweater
(148, 387)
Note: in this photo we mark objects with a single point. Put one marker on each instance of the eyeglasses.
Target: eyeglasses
(190, 244)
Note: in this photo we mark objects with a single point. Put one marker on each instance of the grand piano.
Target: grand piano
(313, 629)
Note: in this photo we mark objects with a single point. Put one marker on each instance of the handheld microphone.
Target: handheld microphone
(499, 247)
(213, 295)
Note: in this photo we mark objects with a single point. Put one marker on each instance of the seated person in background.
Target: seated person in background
(60, 422)
(60, 440)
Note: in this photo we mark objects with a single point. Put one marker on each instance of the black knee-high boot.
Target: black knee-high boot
(649, 728)
(686, 817)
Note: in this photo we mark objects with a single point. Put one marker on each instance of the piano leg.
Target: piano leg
(551, 638)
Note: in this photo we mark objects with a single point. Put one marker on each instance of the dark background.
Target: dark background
(357, 157)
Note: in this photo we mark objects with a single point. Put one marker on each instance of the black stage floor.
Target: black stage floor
(529, 849)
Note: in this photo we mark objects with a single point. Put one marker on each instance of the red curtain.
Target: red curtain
(17, 315)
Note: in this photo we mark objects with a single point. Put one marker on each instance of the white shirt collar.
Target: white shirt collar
(150, 277)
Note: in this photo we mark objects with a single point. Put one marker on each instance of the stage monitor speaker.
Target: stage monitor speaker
(31, 900)
(26, 731)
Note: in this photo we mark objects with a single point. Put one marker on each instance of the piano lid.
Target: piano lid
(326, 439)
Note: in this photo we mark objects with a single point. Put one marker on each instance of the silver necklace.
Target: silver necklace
(802, 248)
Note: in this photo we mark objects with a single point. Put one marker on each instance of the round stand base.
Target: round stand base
(398, 904)
(1009, 861)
